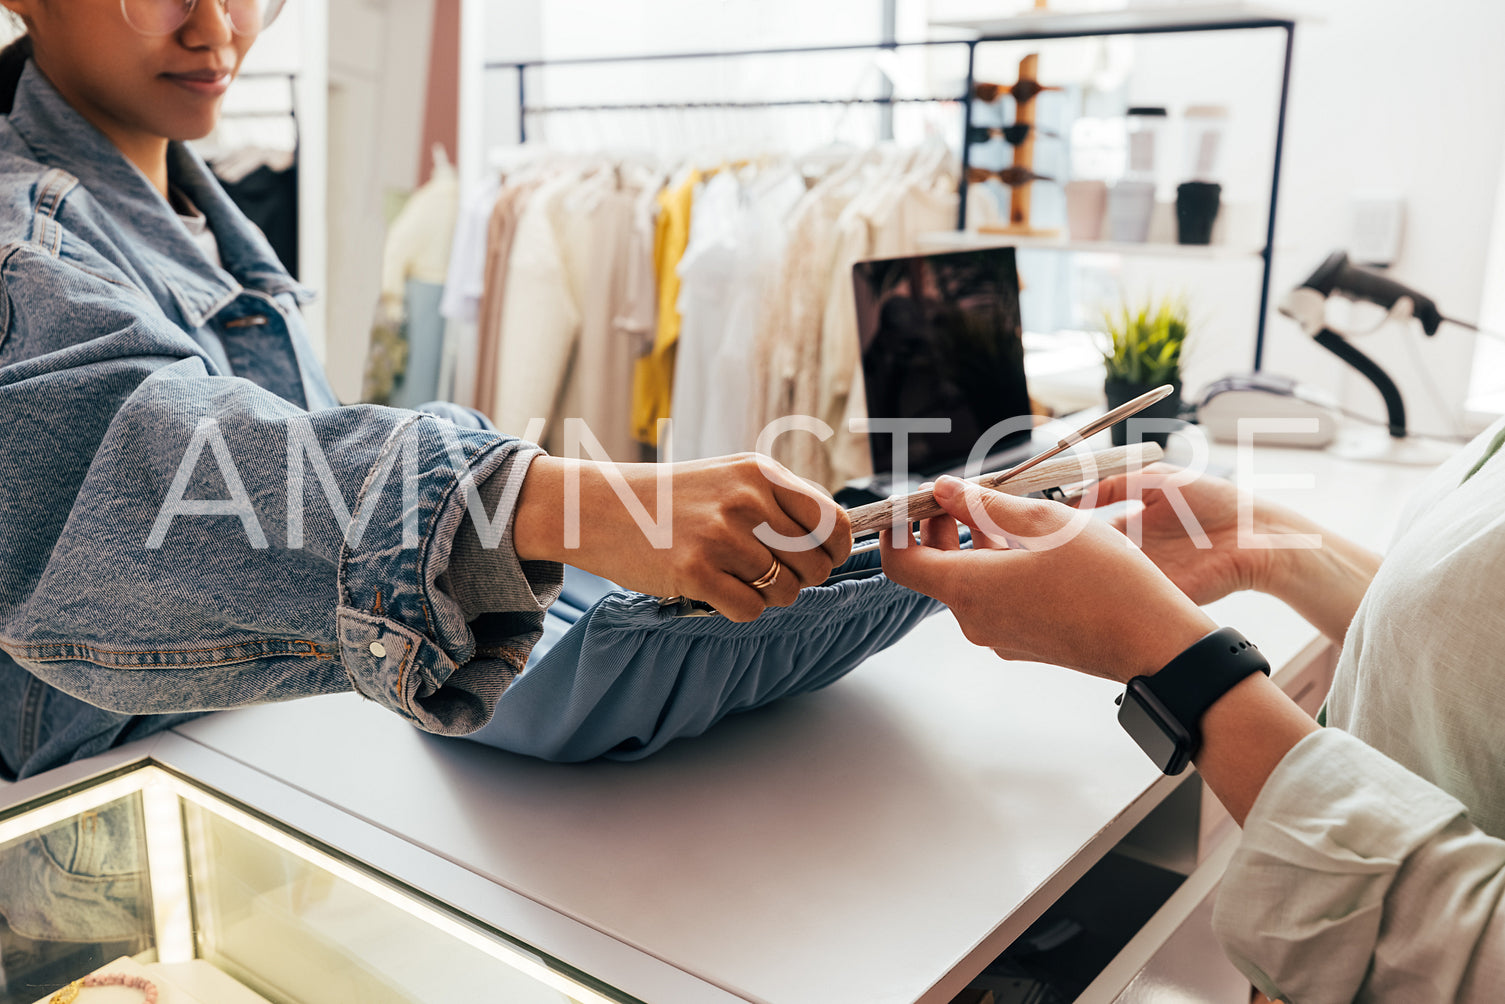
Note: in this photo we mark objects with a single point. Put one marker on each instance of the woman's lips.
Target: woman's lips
(207, 82)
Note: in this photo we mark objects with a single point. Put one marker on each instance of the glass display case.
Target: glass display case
(142, 885)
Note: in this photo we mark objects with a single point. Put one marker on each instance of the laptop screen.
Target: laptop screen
(941, 338)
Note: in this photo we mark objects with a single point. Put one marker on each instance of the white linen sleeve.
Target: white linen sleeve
(1358, 880)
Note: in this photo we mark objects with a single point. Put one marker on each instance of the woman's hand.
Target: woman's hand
(1046, 583)
(726, 522)
(1190, 529)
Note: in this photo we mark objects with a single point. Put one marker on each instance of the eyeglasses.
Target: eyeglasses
(1013, 177)
(163, 17)
(1021, 92)
(1013, 135)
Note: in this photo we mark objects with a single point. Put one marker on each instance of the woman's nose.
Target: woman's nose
(208, 24)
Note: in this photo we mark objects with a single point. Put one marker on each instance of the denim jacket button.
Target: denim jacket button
(379, 650)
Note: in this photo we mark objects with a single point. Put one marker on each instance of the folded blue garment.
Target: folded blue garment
(619, 675)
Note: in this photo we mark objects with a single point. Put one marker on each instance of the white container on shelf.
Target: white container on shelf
(1098, 150)
(1144, 126)
(1086, 205)
(1131, 209)
(1203, 142)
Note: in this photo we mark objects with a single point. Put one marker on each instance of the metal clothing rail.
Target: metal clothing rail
(260, 113)
(677, 105)
(521, 67)
(1024, 29)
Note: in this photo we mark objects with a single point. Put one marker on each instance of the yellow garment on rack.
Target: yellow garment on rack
(653, 377)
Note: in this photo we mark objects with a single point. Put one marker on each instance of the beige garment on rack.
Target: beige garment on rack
(540, 312)
(856, 238)
(500, 233)
(599, 389)
(418, 241)
(636, 317)
(788, 340)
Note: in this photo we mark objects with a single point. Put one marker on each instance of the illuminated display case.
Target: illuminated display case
(146, 875)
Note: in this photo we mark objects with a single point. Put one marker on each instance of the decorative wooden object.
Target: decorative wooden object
(1024, 91)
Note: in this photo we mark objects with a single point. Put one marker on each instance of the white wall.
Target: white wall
(1391, 95)
(1406, 96)
(1395, 95)
(1402, 95)
(1486, 398)
(378, 77)
(568, 28)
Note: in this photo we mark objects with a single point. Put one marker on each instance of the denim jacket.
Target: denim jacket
(123, 348)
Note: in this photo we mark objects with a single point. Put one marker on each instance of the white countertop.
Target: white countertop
(855, 844)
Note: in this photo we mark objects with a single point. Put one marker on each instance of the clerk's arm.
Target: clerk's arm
(1189, 527)
(1354, 879)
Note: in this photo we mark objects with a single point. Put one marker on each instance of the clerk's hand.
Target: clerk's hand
(1188, 526)
(730, 520)
(1046, 583)
(1190, 529)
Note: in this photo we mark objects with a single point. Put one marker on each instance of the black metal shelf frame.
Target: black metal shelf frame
(1026, 33)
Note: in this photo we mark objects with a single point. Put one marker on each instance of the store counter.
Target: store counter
(881, 840)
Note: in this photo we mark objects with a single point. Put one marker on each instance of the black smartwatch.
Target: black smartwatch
(1164, 712)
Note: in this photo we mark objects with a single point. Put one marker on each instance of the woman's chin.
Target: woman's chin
(190, 127)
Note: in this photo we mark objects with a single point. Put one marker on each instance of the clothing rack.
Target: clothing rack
(1020, 29)
(520, 67)
(286, 244)
(693, 105)
(268, 113)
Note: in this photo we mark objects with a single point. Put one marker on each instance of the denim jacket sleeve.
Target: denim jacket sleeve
(174, 539)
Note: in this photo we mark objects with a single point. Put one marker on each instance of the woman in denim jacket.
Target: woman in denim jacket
(164, 415)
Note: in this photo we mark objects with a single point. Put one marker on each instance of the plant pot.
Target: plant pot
(1123, 391)
(1196, 211)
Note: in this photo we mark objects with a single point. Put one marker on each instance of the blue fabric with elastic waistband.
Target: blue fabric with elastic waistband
(618, 675)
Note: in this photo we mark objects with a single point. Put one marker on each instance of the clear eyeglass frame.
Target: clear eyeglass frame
(163, 17)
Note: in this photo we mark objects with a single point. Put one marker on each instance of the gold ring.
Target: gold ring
(768, 578)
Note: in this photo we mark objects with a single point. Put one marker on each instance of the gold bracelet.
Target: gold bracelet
(70, 993)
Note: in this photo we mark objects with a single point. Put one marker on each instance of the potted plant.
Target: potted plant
(1143, 352)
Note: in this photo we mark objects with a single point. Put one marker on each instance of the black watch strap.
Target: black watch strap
(1194, 680)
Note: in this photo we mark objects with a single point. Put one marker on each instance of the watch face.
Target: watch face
(1158, 733)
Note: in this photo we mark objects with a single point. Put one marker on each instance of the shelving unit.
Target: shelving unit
(1028, 26)
(970, 240)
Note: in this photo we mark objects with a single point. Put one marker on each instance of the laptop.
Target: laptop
(941, 339)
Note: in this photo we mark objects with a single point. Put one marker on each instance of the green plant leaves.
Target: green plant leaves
(1145, 344)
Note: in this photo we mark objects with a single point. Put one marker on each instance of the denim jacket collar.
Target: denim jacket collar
(60, 137)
